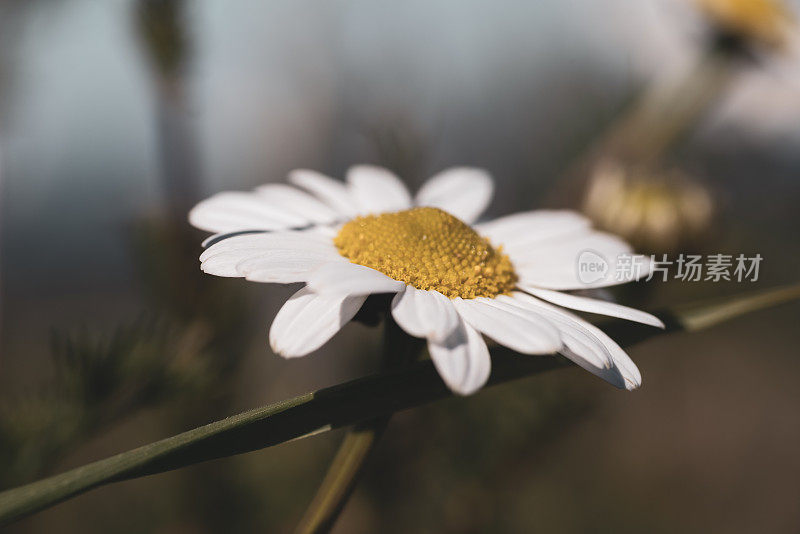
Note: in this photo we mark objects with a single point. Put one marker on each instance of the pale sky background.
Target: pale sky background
(279, 85)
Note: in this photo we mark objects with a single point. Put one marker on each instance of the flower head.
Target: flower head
(429, 249)
(655, 211)
(454, 280)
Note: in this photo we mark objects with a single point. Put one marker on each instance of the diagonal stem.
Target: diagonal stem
(341, 405)
(399, 350)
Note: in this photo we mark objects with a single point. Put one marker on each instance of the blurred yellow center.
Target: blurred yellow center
(428, 248)
(766, 20)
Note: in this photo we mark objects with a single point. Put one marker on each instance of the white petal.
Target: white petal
(561, 265)
(351, 279)
(462, 191)
(530, 227)
(283, 267)
(308, 320)
(579, 341)
(303, 240)
(585, 343)
(216, 238)
(298, 202)
(595, 306)
(613, 375)
(462, 359)
(332, 192)
(601, 242)
(377, 190)
(224, 258)
(528, 335)
(234, 211)
(277, 266)
(427, 314)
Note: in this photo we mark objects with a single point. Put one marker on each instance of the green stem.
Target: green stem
(342, 476)
(310, 414)
(705, 315)
(338, 406)
(399, 349)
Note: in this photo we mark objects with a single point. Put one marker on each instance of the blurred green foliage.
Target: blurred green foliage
(98, 381)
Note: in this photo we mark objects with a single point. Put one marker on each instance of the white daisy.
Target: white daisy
(453, 282)
(659, 39)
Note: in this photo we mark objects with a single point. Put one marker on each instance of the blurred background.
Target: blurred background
(673, 122)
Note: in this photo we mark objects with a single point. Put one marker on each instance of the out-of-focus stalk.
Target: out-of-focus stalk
(707, 314)
(7, 15)
(166, 46)
(665, 114)
(167, 244)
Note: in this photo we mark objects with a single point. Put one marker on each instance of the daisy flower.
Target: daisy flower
(454, 281)
(660, 40)
(655, 209)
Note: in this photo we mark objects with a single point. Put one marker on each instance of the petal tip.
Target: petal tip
(631, 385)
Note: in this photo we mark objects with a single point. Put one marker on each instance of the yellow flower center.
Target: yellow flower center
(428, 248)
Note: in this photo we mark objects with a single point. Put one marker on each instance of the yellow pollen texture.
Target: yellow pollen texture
(428, 248)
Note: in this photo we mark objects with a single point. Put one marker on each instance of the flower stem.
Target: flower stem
(656, 122)
(666, 114)
(399, 349)
(342, 476)
(338, 406)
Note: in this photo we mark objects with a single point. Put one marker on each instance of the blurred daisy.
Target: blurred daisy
(667, 39)
(453, 280)
(655, 211)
